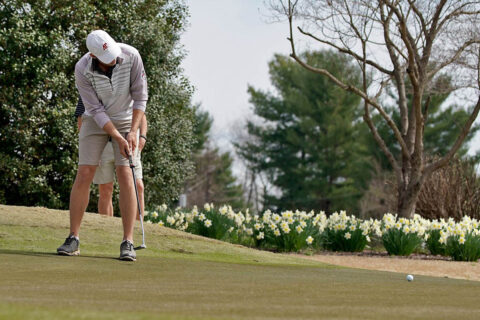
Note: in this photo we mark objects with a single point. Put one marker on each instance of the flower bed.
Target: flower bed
(292, 231)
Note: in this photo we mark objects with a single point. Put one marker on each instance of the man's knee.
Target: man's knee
(124, 175)
(140, 186)
(85, 174)
(106, 190)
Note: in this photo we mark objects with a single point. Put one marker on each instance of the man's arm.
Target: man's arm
(89, 98)
(97, 110)
(143, 133)
(139, 93)
(79, 111)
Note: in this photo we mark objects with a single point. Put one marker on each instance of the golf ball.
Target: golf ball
(410, 277)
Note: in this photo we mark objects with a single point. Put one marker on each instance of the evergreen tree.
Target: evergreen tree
(40, 43)
(213, 180)
(307, 142)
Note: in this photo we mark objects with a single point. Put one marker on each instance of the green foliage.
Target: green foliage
(41, 41)
(344, 240)
(201, 129)
(465, 248)
(213, 180)
(306, 143)
(400, 243)
(433, 244)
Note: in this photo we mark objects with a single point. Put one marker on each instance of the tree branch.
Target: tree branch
(347, 51)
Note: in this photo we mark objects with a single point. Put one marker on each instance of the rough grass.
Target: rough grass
(181, 276)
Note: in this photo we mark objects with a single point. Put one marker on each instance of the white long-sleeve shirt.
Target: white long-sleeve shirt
(113, 98)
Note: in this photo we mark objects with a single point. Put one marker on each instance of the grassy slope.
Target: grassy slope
(181, 276)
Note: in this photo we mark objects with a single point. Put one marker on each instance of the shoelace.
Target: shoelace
(129, 245)
(69, 240)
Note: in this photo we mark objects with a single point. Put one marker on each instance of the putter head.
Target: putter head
(143, 246)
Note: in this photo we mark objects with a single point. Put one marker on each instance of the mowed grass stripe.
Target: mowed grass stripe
(186, 277)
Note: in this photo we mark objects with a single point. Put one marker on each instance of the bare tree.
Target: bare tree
(404, 44)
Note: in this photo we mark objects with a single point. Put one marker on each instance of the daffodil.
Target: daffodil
(309, 240)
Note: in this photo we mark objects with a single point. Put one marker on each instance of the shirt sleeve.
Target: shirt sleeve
(138, 83)
(90, 98)
(80, 108)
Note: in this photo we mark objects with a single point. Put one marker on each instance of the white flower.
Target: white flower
(149, 222)
(309, 240)
(299, 229)
(348, 235)
(461, 240)
(195, 211)
(353, 228)
(276, 232)
(303, 224)
(257, 226)
(260, 236)
(160, 223)
(285, 227)
(249, 231)
(223, 210)
(231, 229)
(155, 214)
(208, 223)
(207, 207)
(163, 207)
(170, 220)
(201, 217)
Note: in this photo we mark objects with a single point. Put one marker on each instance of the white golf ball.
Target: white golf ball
(410, 277)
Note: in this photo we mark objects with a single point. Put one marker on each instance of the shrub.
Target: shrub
(401, 237)
(464, 247)
(346, 233)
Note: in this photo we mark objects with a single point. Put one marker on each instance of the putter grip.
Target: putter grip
(130, 160)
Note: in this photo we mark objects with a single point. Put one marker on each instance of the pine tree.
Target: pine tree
(307, 141)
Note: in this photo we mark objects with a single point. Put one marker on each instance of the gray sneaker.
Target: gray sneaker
(127, 251)
(71, 247)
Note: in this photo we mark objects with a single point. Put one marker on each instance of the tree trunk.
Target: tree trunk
(407, 199)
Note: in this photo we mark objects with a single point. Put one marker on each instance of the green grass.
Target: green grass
(181, 276)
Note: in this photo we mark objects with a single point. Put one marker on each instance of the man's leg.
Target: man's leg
(105, 205)
(128, 200)
(79, 196)
(140, 189)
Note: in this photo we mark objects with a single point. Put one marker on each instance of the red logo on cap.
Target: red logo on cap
(105, 46)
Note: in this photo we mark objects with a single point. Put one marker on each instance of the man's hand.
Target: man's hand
(141, 144)
(124, 146)
(132, 140)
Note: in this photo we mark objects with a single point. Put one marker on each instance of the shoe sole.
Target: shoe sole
(127, 258)
(66, 253)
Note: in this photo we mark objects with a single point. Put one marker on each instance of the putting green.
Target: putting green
(181, 276)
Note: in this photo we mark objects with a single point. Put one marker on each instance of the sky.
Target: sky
(229, 44)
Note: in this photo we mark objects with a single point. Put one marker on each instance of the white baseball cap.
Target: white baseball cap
(100, 44)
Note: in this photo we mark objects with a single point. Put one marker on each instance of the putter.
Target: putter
(132, 166)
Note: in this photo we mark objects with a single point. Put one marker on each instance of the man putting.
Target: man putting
(112, 84)
(105, 172)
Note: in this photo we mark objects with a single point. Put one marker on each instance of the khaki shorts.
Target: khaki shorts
(106, 170)
(93, 139)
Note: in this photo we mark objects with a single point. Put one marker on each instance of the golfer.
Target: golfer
(112, 83)
(105, 173)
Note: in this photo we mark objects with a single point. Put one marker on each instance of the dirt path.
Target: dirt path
(416, 265)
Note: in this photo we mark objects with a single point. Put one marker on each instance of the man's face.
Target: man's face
(111, 64)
